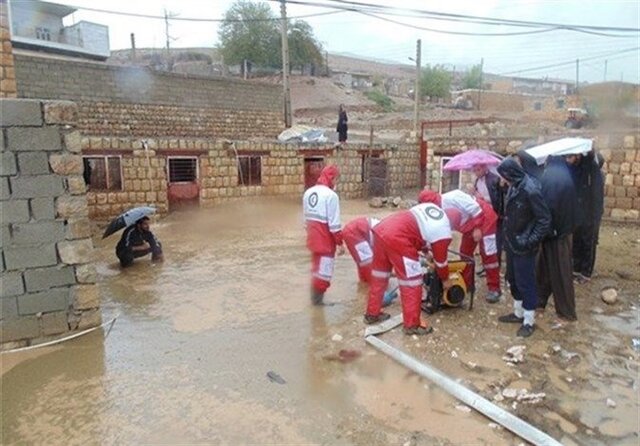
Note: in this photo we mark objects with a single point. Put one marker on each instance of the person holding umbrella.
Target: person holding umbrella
(137, 240)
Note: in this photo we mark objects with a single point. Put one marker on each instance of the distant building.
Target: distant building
(37, 25)
(545, 86)
(357, 81)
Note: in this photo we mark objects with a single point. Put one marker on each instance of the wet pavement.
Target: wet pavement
(188, 357)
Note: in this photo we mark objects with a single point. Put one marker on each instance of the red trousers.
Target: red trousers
(360, 251)
(489, 254)
(321, 271)
(405, 261)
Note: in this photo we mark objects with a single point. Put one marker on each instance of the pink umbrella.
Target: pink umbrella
(467, 160)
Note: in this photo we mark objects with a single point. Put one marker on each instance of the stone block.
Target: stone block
(76, 185)
(8, 164)
(11, 284)
(36, 186)
(620, 192)
(76, 251)
(42, 208)
(14, 211)
(60, 112)
(90, 319)
(30, 257)
(72, 207)
(36, 233)
(78, 228)
(20, 112)
(66, 164)
(628, 180)
(8, 308)
(85, 297)
(33, 163)
(5, 190)
(632, 191)
(55, 299)
(617, 156)
(86, 273)
(54, 323)
(625, 167)
(33, 139)
(629, 142)
(73, 142)
(44, 278)
(624, 203)
(16, 329)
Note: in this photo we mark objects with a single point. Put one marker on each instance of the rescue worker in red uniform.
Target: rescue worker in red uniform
(324, 232)
(358, 237)
(397, 242)
(476, 220)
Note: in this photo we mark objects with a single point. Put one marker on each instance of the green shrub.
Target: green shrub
(381, 99)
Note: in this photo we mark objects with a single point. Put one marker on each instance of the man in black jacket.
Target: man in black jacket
(138, 241)
(526, 223)
(555, 264)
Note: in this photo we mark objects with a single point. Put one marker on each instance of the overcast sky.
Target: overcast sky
(353, 33)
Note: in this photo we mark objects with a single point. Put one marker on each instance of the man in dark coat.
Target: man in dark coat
(342, 126)
(555, 264)
(589, 186)
(138, 241)
(526, 223)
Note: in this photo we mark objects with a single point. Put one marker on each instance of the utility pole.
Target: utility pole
(416, 90)
(133, 47)
(481, 76)
(326, 63)
(577, 75)
(605, 69)
(285, 64)
(166, 33)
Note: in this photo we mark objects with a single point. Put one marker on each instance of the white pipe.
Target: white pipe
(67, 338)
(519, 427)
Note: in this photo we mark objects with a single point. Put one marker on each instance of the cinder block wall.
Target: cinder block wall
(48, 281)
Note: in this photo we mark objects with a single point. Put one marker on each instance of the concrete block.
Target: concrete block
(73, 142)
(33, 163)
(37, 233)
(72, 207)
(14, 211)
(60, 112)
(55, 299)
(22, 112)
(34, 139)
(11, 284)
(5, 236)
(90, 319)
(76, 185)
(37, 186)
(78, 228)
(5, 191)
(85, 297)
(42, 208)
(66, 164)
(8, 307)
(54, 323)
(76, 251)
(86, 273)
(7, 164)
(44, 278)
(16, 329)
(30, 257)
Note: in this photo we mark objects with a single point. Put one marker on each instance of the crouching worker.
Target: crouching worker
(138, 241)
(324, 232)
(477, 222)
(397, 242)
(358, 237)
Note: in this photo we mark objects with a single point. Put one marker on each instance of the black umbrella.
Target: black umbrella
(127, 219)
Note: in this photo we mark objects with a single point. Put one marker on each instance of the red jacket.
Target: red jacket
(322, 213)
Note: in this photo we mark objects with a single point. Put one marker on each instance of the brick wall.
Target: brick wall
(48, 280)
(282, 166)
(7, 72)
(134, 101)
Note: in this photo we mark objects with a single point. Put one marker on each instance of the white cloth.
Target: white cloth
(432, 222)
(481, 188)
(465, 203)
(322, 204)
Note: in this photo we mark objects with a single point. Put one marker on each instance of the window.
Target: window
(43, 34)
(364, 165)
(102, 173)
(183, 169)
(449, 180)
(249, 170)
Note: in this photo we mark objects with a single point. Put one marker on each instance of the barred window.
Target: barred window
(249, 170)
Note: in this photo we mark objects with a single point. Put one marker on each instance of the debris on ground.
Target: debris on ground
(609, 295)
(515, 354)
(463, 408)
(530, 398)
(344, 356)
(635, 342)
(336, 337)
(611, 403)
(376, 202)
(275, 378)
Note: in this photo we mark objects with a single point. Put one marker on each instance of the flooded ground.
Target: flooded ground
(188, 357)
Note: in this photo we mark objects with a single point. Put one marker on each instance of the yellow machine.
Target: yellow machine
(454, 297)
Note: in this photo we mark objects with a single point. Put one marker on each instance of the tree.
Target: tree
(303, 46)
(435, 82)
(250, 31)
(473, 77)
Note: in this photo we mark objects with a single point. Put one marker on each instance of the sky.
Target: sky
(356, 34)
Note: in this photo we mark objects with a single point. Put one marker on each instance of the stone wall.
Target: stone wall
(145, 180)
(621, 168)
(123, 101)
(48, 280)
(7, 72)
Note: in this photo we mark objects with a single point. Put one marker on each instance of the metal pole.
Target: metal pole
(285, 64)
(416, 110)
(605, 70)
(133, 47)
(166, 32)
(480, 86)
(577, 75)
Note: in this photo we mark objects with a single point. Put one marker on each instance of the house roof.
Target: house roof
(45, 7)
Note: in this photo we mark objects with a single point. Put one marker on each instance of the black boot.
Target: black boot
(317, 298)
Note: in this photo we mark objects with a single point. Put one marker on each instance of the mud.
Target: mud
(188, 357)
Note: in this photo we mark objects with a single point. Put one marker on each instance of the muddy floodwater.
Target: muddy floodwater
(188, 357)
